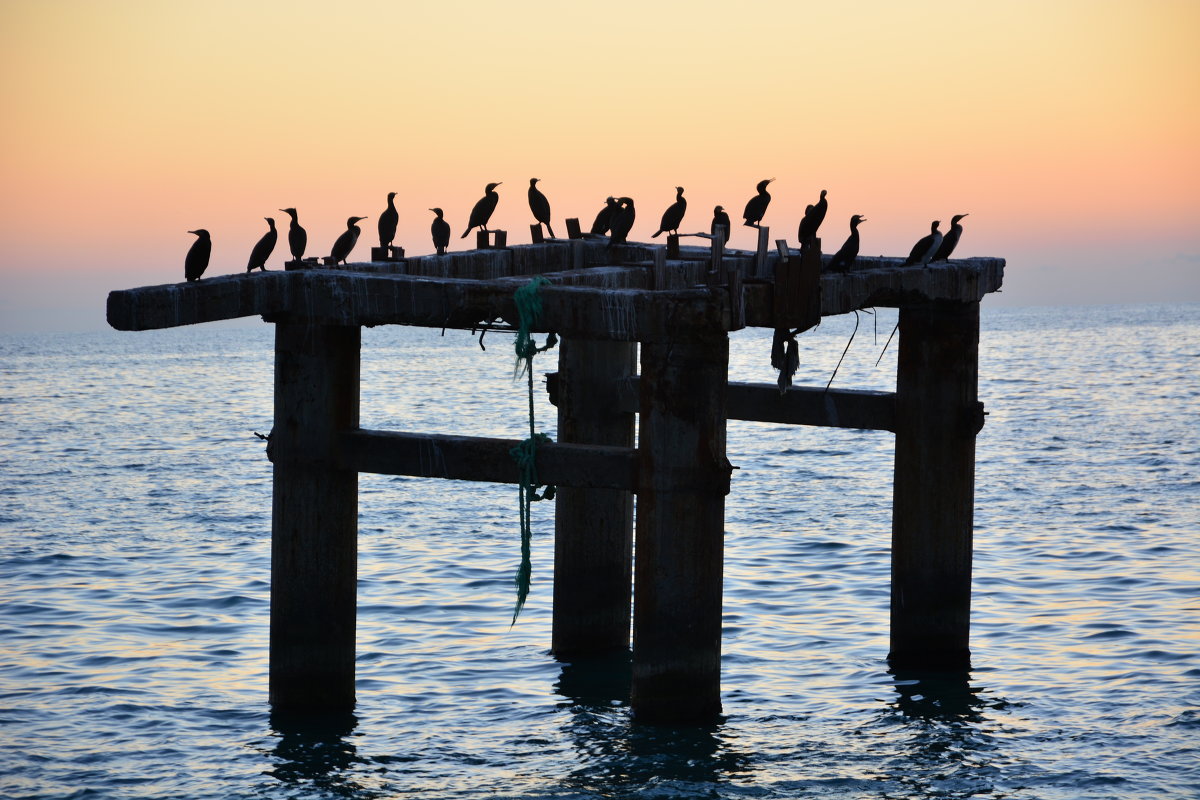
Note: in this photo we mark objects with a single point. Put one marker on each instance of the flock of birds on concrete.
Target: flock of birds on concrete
(615, 220)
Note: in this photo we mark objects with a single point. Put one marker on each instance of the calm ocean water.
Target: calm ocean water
(134, 575)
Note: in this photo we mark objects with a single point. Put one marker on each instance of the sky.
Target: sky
(1069, 131)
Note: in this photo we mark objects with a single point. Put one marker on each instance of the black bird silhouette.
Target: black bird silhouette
(263, 249)
(814, 215)
(622, 221)
(297, 236)
(950, 240)
(757, 207)
(388, 221)
(345, 243)
(539, 205)
(925, 247)
(604, 218)
(843, 260)
(441, 232)
(483, 209)
(720, 218)
(197, 256)
(673, 215)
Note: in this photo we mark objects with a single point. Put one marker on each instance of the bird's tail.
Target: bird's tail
(551, 230)
(468, 230)
(653, 235)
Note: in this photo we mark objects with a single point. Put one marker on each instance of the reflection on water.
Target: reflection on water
(617, 752)
(937, 696)
(949, 750)
(314, 753)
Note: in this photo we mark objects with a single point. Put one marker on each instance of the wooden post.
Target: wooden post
(761, 251)
(535, 233)
(937, 417)
(314, 524)
(684, 477)
(593, 528)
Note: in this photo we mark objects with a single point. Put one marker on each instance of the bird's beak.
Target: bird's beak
(499, 183)
(770, 180)
(193, 232)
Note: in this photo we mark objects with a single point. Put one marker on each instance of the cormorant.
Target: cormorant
(441, 232)
(345, 243)
(262, 250)
(950, 240)
(539, 205)
(924, 249)
(483, 209)
(757, 207)
(843, 260)
(720, 218)
(297, 236)
(197, 256)
(673, 215)
(814, 215)
(604, 218)
(388, 221)
(622, 221)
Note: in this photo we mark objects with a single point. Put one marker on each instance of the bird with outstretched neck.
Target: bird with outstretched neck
(345, 243)
(440, 229)
(925, 248)
(604, 218)
(720, 220)
(263, 248)
(843, 260)
(388, 221)
(196, 260)
(622, 222)
(673, 215)
(950, 240)
(814, 215)
(297, 236)
(483, 209)
(757, 206)
(539, 205)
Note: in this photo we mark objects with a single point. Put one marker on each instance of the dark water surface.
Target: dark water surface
(135, 567)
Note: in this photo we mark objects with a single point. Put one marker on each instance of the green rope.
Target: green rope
(529, 311)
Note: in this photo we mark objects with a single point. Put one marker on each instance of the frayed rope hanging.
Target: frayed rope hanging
(529, 311)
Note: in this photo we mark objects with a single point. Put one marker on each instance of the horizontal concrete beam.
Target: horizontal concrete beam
(473, 458)
(800, 405)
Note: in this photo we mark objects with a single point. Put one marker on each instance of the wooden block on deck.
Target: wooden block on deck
(535, 233)
(672, 246)
(797, 298)
(573, 231)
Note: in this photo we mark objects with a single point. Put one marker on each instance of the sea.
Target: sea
(135, 502)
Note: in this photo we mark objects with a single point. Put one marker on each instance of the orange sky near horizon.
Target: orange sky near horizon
(1068, 130)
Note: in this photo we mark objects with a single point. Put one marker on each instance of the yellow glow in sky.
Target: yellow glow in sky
(1064, 128)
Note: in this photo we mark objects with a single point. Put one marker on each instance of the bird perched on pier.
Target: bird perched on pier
(539, 205)
(950, 240)
(604, 218)
(197, 256)
(483, 209)
(720, 219)
(622, 222)
(814, 215)
(843, 260)
(263, 249)
(388, 221)
(345, 243)
(297, 236)
(757, 207)
(925, 248)
(673, 215)
(441, 232)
